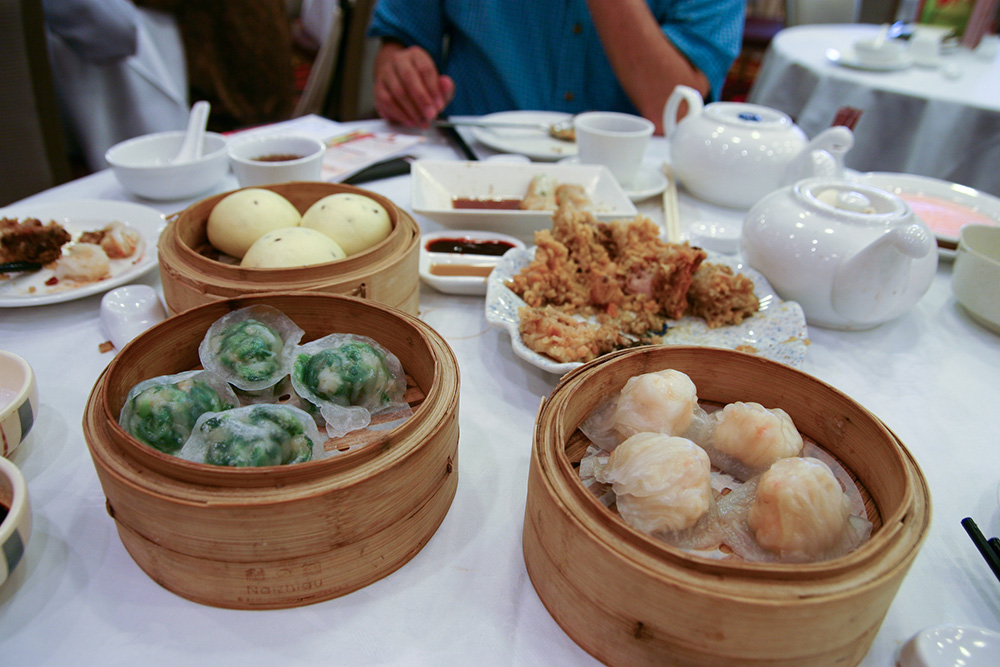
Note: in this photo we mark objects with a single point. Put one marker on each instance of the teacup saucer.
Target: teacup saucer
(648, 182)
(850, 59)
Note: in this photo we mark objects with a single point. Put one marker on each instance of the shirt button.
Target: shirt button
(569, 96)
(577, 28)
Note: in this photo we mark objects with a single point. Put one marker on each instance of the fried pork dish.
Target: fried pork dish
(596, 287)
(31, 241)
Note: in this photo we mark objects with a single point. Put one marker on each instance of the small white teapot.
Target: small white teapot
(852, 256)
(732, 154)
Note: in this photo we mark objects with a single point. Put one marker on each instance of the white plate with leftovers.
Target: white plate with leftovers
(535, 143)
(459, 262)
(495, 196)
(124, 235)
(777, 331)
(944, 206)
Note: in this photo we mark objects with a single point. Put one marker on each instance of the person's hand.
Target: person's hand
(408, 88)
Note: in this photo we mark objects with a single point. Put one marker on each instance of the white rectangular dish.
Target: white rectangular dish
(437, 184)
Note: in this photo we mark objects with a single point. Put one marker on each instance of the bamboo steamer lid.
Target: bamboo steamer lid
(629, 599)
(191, 273)
(281, 536)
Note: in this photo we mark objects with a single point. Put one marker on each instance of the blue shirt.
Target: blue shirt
(546, 54)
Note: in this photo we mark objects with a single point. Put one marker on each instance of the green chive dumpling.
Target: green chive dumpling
(250, 348)
(162, 411)
(254, 435)
(350, 378)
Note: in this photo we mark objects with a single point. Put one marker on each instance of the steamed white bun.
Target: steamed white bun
(355, 222)
(244, 216)
(291, 246)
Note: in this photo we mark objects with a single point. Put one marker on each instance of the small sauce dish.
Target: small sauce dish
(15, 517)
(128, 311)
(458, 262)
(949, 645)
(18, 401)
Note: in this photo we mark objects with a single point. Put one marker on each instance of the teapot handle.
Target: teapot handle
(695, 105)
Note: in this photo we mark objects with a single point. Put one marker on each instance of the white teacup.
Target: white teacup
(616, 140)
(277, 158)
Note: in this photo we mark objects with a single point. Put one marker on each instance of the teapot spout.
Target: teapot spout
(875, 284)
(821, 157)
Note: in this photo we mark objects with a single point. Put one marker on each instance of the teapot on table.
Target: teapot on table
(852, 256)
(732, 154)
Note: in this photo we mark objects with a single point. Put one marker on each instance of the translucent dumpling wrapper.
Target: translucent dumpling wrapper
(350, 378)
(799, 510)
(663, 402)
(744, 439)
(662, 484)
(254, 435)
(161, 412)
(252, 348)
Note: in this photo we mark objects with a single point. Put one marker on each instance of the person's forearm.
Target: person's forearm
(648, 66)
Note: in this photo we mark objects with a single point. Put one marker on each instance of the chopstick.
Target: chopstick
(671, 211)
(989, 549)
(458, 140)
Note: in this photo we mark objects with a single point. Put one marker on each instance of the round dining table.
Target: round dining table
(941, 121)
(932, 375)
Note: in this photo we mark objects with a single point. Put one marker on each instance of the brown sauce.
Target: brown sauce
(3, 513)
(491, 203)
(278, 157)
(465, 246)
(466, 270)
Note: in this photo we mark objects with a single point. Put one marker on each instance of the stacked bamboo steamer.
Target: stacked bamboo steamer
(192, 274)
(629, 599)
(281, 536)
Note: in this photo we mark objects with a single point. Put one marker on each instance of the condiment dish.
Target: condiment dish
(18, 401)
(950, 645)
(15, 517)
(459, 262)
(145, 165)
(276, 158)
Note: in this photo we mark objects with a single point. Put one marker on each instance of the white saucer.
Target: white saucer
(648, 182)
(850, 59)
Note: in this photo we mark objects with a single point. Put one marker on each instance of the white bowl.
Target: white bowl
(975, 277)
(18, 401)
(950, 645)
(252, 168)
(143, 165)
(15, 528)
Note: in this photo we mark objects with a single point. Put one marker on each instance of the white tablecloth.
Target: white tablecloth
(78, 598)
(918, 120)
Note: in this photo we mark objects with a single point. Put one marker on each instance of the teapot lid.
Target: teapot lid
(749, 116)
(852, 201)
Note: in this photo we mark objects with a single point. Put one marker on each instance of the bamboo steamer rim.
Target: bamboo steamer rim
(353, 466)
(652, 555)
(402, 222)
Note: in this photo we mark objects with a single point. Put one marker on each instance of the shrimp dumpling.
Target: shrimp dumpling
(754, 435)
(660, 402)
(662, 483)
(800, 511)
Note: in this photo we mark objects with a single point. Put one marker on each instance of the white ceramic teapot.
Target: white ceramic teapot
(852, 256)
(732, 154)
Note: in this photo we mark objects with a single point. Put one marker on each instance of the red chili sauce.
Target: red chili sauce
(466, 246)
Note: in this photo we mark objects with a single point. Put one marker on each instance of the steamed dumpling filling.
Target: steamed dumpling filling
(353, 374)
(255, 435)
(251, 347)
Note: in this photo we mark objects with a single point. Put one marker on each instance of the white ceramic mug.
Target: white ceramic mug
(616, 140)
(276, 158)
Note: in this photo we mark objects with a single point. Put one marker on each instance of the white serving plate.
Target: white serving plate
(459, 284)
(777, 331)
(29, 289)
(536, 144)
(982, 208)
(436, 184)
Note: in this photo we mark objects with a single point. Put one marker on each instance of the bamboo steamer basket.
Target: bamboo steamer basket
(629, 599)
(281, 536)
(192, 274)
